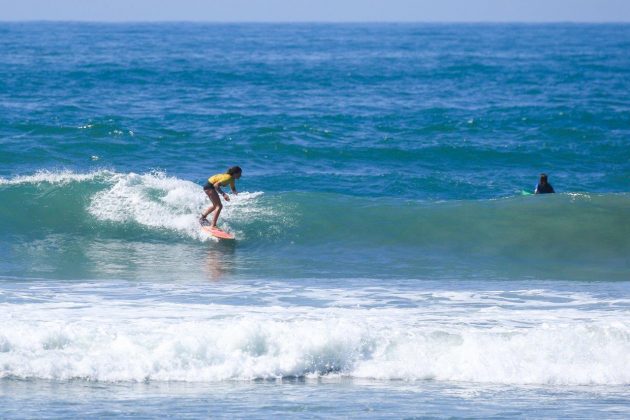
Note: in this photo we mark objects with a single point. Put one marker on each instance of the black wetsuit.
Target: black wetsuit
(544, 189)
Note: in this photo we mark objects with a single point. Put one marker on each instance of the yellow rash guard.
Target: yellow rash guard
(222, 179)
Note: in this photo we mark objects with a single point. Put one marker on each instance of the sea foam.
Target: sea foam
(156, 200)
(56, 177)
(108, 338)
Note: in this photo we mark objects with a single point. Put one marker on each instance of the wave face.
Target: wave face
(147, 332)
(584, 235)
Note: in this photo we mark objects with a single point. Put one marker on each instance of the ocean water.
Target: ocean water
(386, 261)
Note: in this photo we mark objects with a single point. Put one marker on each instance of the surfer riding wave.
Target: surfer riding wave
(213, 189)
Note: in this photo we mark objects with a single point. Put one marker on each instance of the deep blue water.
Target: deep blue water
(386, 261)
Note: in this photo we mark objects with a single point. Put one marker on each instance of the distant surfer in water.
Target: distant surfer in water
(543, 187)
(213, 189)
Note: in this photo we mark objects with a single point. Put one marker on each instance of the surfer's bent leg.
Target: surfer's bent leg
(217, 208)
(216, 203)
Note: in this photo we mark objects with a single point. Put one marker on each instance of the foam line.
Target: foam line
(108, 338)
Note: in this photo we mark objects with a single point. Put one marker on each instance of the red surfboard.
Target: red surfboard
(216, 232)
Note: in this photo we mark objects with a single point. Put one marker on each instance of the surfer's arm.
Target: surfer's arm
(233, 188)
(217, 186)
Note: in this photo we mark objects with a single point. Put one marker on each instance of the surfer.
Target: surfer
(213, 189)
(543, 187)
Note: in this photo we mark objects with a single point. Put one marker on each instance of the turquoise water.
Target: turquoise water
(386, 262)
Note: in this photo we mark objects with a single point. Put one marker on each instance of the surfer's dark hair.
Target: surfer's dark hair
(543, 177)
(234, 170)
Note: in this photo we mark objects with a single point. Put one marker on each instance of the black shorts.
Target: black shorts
(208, 186)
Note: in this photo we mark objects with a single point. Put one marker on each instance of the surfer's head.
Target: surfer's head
(543, 179)
(235, 171)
